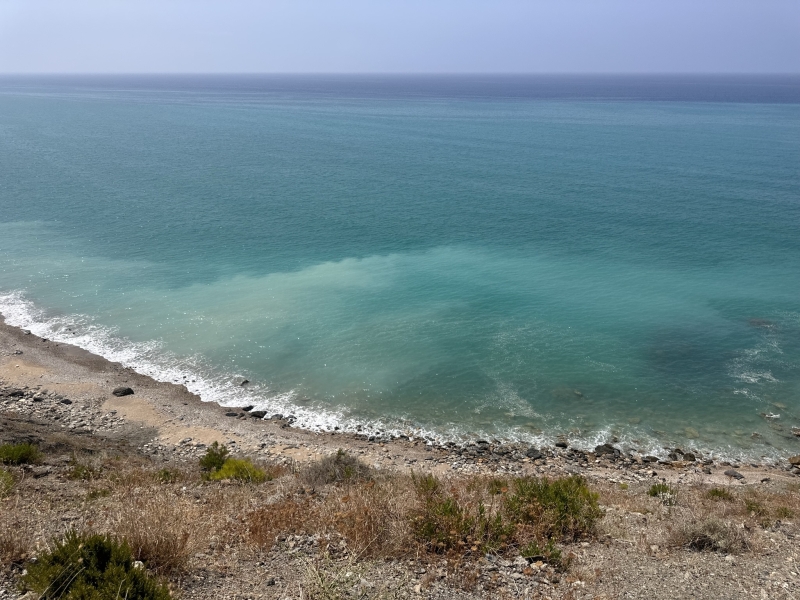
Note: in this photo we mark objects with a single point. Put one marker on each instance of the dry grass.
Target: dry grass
(698, 517)
(371, 517)
(163, 528)
(710, 534)
(397, 515)
(16, 535)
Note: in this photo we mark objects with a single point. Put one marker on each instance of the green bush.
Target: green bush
(564, 509)
(754, 507)
(19, 454)
(239, 469)
(80, 471)
(663, 492)
(6, 483)
(214, 457)
(720, 494)
(547, 552)
(445, 524)
(166, 476)
(90, 567)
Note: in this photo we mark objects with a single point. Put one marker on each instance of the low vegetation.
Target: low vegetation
(91, 567)
(218, 465)
(339, 467)
(214, 458)
(239, 469)
(19, 454)
(6, 483)
(663, 492)
(710, 534)
(338, 509)
(720, 494)
(162, 530)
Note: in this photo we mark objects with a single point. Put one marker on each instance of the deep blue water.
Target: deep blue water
(515, 257)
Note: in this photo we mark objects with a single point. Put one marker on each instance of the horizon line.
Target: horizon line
(407, 73)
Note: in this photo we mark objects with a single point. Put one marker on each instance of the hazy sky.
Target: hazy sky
(400, 36)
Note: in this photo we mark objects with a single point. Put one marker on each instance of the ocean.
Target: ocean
(603, 258)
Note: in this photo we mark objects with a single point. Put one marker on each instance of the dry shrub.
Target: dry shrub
(371, 516)
(339, 467)
(710, 534)
(16, 537)
(163, 529)
(286, 516)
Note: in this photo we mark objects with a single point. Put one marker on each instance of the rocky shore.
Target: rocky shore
(63, 398)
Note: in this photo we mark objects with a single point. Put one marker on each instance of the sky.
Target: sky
(400, 36)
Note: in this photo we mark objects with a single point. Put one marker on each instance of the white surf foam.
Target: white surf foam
(210, 384)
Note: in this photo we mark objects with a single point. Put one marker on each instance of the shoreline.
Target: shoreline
(124, 465)
(178, 422)
(228, 391)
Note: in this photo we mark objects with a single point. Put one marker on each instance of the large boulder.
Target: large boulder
(605, 449)
(122, 391)
(795, 460)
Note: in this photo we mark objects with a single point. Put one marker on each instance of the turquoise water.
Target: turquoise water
(517, 258)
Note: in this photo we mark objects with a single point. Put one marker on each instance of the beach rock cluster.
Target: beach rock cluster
(51, 406)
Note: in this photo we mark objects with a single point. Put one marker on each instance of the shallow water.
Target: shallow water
(510, 257)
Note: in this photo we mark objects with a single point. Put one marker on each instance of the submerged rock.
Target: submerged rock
(122, 391)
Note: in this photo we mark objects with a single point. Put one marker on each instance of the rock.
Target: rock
(43, 471)
(650, 459)
(734, 474)
(706, 470)
(122, 391)
(17, 352)
(533, 453)
(138, 564)
(230, 413)
(244, 382)
(66, 401)
(561, 444)
(689, 457)
(604, 449)
(248, 408)
(277, 417)
(258, 414)
(30, 595)
(795, 460)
